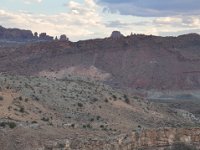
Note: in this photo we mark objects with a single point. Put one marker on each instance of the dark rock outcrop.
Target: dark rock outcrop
(116, 35)
(44, 36)
(63, 37)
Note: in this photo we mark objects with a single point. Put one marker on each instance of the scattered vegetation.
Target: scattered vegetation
(87, 126)
(11, 125)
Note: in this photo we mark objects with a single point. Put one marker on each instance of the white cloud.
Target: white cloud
(179, 21)
(32, 1)
(80, 22)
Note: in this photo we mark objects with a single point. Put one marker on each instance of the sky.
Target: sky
(86, 19)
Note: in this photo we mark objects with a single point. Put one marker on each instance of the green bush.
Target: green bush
(12, 125)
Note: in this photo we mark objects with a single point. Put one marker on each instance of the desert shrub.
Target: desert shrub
(45, 119)
(114, 97)
(34, 122)
(61, 145)
(80, 105)
(26, 99)
(22, 110)
(1, 98)
(98, 117)
(12, 125)
(73, 125)
(106, 100)
(126, 99)
(20, 98)
(136, 97)
(89, 126)
(94, 99)
(3, 124)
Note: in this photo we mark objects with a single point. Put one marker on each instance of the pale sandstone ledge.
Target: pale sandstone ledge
(151, 139)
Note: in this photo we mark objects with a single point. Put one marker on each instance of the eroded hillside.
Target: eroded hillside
(75, 108)
(132, 62)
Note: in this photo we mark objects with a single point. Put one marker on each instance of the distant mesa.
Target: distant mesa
(18, 35)
(116, 35)
(15, 34)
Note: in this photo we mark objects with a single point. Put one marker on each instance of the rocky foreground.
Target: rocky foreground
(79, 114)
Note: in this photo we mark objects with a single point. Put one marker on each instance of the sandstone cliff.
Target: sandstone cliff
(151, 139)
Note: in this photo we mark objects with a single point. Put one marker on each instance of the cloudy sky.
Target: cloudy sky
(84, 19)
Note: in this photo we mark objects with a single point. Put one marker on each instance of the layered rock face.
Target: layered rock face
(152, 139)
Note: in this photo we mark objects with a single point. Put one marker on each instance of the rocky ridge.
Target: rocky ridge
(20, 35)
